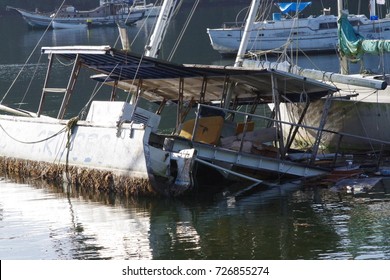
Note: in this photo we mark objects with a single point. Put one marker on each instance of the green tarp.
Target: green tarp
(354, 46)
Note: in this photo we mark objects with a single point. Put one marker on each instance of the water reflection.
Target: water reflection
(358, 223)
(49, 222)
(42, 224)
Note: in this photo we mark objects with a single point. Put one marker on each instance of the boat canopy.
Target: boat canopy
(286, 8)
(158, 79)
(353, 45)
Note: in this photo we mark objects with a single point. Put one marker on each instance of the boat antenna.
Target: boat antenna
(29, 57)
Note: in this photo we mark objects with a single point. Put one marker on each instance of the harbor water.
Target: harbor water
(42, 221)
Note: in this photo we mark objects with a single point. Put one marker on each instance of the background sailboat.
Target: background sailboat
(107, 13)
(290, 27)
(359, 116)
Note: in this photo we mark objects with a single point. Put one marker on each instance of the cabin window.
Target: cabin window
(328, 25)
(354, 22)
(261, 35)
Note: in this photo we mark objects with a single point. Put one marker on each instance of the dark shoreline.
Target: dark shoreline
(44, 5)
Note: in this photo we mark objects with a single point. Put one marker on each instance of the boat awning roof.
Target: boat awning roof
(160, 79)
(286, 8)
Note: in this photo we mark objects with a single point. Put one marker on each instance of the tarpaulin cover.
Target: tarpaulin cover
(353, 45)
(285, 8)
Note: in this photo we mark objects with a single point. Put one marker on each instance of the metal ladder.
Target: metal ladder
(66, 91)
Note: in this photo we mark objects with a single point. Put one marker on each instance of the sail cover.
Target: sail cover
(286, 8)
(353, 45)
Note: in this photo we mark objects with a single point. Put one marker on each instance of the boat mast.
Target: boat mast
(243, 46)
(372, 9)
(344, 67)
(153, 47)
(247, 31)
(239, 62)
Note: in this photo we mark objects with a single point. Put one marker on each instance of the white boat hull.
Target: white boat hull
(307, 34)
(44, 20)
(94, 145)
(90, 145)
(59, 25)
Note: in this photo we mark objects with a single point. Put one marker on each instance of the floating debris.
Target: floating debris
(357, 185)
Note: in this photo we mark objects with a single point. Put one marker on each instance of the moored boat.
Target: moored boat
(296, 32)
(108, 13)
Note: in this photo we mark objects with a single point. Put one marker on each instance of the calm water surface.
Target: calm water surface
(41, 221)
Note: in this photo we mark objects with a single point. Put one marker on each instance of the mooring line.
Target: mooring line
(33, 142)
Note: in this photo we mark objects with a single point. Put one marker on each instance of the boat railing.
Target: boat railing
(249, 118)
(233, 24)
(247, 125)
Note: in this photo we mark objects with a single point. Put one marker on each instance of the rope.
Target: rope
(63, 63)
(69, 128)
(33, 142)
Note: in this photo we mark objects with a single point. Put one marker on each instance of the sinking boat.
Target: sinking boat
(117, 145)
(108, 13)
(289, 28)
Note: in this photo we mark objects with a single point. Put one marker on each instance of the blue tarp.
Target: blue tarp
(285, 8)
